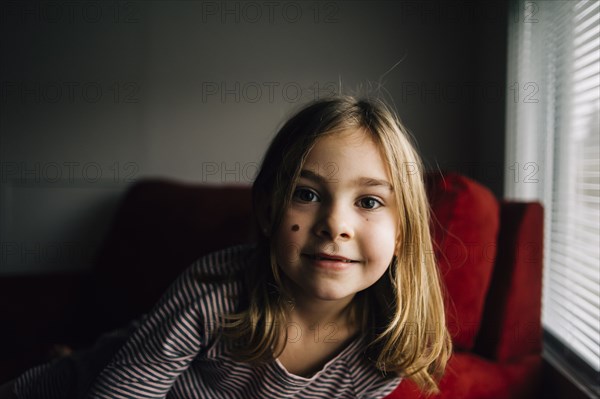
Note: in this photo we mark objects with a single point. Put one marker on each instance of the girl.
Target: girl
(340, 297)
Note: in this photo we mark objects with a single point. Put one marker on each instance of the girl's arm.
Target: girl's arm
(161, 348)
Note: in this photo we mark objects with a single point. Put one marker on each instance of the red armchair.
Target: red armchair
(490, 256)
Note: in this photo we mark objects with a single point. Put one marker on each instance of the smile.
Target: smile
(334, 258)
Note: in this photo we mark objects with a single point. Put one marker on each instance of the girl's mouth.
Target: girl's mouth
(333, 259)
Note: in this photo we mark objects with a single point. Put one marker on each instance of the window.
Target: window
(553, 156)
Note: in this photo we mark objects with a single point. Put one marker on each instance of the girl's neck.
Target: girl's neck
(322, 311)
(308, 313)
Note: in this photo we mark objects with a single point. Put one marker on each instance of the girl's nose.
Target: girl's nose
(334, 224)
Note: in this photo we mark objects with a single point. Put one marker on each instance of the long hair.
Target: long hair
(403, 312)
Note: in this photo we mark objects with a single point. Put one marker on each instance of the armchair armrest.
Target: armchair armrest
(511, 326)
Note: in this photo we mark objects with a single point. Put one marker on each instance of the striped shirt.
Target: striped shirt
(176, 352)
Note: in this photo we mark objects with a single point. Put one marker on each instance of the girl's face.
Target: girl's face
(342, 207)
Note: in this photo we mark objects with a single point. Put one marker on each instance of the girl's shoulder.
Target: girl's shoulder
(212, 282)
(223, 264)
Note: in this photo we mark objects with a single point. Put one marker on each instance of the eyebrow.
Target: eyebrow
(361, 181)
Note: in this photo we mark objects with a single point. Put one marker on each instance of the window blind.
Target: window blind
(554, 48)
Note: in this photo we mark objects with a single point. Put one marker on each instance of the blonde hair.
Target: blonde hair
(404, 310)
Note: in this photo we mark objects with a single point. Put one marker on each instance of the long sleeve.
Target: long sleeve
(161, 348)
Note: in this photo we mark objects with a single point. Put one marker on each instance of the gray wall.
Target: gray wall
(96, 95)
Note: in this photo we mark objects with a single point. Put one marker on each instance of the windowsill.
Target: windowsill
(560, 380)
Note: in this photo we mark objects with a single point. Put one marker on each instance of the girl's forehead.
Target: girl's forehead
(344, 141)
(348, 152)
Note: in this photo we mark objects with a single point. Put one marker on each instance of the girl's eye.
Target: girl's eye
(370, 203)
(306, 195)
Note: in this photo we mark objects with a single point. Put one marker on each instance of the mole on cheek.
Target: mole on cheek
(295, 227)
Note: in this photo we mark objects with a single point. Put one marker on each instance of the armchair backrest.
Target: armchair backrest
(162, 226)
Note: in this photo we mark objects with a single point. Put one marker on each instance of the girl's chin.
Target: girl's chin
(332, 295)
(325, 289)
